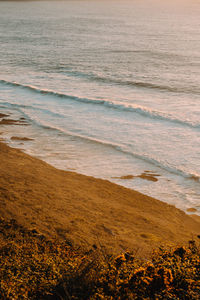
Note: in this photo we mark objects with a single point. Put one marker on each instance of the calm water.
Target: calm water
(110, 88)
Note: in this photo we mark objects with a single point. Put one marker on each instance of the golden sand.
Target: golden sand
(85, 210)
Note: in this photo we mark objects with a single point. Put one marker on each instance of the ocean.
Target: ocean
(109, 88)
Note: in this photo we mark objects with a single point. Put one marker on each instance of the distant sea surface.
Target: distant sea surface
(110, 88)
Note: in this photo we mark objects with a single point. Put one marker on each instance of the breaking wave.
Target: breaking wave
(134, 108)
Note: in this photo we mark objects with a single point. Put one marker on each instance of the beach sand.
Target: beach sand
(84, 210)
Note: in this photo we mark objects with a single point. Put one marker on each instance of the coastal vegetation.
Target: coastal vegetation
(34, 267)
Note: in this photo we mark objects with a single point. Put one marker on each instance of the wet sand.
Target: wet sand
(85, 210)
(147, 175)
(19, 138)
(12, 122)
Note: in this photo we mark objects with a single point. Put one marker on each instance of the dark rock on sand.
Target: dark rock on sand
(19, 138)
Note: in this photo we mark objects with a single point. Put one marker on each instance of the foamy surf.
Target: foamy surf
(118, 147)
(144, 111)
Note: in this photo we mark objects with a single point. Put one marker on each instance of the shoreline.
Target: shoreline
(54, 148)
(87, 211)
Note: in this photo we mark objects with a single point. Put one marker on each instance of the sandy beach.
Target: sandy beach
(99, 150)
(86, 211)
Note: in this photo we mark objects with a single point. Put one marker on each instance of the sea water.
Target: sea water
(110, 88)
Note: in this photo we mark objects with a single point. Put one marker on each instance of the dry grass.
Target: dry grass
(33, 267)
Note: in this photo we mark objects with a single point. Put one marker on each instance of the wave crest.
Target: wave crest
(144, 111)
